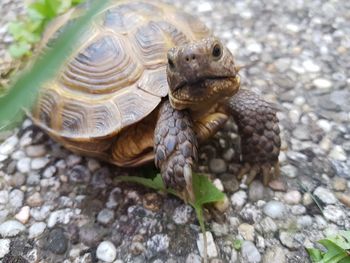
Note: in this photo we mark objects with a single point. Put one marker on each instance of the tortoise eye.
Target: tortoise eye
(217, 51)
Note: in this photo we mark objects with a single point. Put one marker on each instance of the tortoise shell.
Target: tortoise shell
(115, 78)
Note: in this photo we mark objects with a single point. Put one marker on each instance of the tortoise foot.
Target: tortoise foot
(268, 172)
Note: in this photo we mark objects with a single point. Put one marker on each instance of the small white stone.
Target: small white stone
(36, 229)
(254, 47)
(325, 125)
(275, 209)
(4, 247)
(23, 165)
(9, 145)
(11, 228)
(182, 214)
(246, 231)
(334, 214)
(39, 163)
(326, 144)
(292, 197)
(62, 216)
(250, 253)
(211, 248)
(239, 198)
(338, 153)
(3, 157)
(311, 66)
(218, 184)
(106, 251)
(23, 215)
(322, 83)
(204, 7)
(325, 195)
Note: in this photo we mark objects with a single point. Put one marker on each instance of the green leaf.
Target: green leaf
(24, 90)
(20, 49)
(237, 244)
(315, 254)
(155, 183)
(204, 191)
(334, 253)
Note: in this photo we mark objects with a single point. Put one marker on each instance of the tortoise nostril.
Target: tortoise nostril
(193, 57)
(187, 59)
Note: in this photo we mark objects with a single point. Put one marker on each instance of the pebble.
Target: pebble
(158, 243)
(57, 241)
(11, 228)
(322, 83)
(298, 210)
(39, 163)
(16, 198)
(193, 258)
(4, 197)
(238, 199)
(268, 225)
(275, 209)
(339, 184)
(35, 200)
(23, 165)
(289, 170)
(344, 198)
(49, 172)
(90, 235)
(34, 151)
(93, 165)
(219, 230)
(4, 247)
(275, 254)
(79, 174)
(250, 253)
(311, 66)
(9, 145)
(36, 229)
(334, 214)
(246, 231)
(105, 216)
(211, 248)
(325, 195)
(62, 216)
(182, 214)
(217, 166)
(289, 240)
(106, 251)
(256, 191)
(292, 197)
(304, 221)
(338, 153)
(23, 215)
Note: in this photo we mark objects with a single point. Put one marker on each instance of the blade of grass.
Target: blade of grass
(24, 91)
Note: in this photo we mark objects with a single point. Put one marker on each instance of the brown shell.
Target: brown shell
(116, 76)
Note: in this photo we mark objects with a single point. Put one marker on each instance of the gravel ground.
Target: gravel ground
(59, 207)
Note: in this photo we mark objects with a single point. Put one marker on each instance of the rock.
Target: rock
(307, 199)
(268, 226)
(298, 210)
(106, 251)
(90, 235)
(238, 199)
(93, 165)
(4, 197)
(40, 213)
(4, 247)
(289, 240)
(23, 215)
(9, 145)
(275, 254)
(344, 198)
(35, 200)
(182, 214)
(217, 166)
(302, 132)
(49, 171)
(256, 191)
(334, 214)
(275, 209)
(56, 241)
(230, 182)
(73, 160)
(304, 222)
(23, 165)
(246, 231)
(16, 198)
(339, 184)
(158, 243)
(11, 228)
(105, 216)
(338, 153)
(322, 83)
(36, 229)
(311, 66)
(211, 249)
(39, 163)
(289, 171)
(79, 174)
(219, 230)
(250, 253)
(34, 151)
(62, 216)
(292, 197)
(326, 196)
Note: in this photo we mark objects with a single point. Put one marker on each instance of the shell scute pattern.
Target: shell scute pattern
(117, 75)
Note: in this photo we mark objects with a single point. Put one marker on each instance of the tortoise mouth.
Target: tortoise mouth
(200, 81)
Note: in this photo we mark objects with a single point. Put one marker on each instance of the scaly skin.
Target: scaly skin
(203, 76)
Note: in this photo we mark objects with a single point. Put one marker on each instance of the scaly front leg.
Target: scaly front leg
(175, 146)
(260, 140)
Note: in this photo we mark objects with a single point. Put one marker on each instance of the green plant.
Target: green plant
(337, 249)
(204, 193)
(27, 31)
(23, 92)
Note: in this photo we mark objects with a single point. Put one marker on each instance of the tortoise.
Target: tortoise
(147, 81)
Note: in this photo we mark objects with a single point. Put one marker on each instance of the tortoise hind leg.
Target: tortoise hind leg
(175, 147)
(260, 140)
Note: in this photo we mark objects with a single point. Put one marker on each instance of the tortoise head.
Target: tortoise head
(201, 74)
